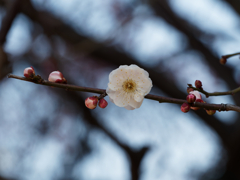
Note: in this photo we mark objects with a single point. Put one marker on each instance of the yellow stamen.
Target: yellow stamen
(129, 86)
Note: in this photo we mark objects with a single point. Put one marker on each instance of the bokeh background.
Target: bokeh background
(48, 133)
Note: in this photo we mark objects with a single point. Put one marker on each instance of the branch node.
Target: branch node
(102, 95)
(223, 107)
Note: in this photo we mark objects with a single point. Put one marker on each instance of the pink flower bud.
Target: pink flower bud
(57, 77)
(29, 72)
(196, 108)
(91, 102)
(185, 107)
(189, 89)
(197, 94)
(198, 84)
(211, 112)
(191, 98)
(102, 103)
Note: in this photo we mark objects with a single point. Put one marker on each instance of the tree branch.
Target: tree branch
(231, 92)
(8, 19)
(161, 99)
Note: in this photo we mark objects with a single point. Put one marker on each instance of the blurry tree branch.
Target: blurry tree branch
(6, 24)
(101, 51)
(162, 9)
(135, 156)
(3, 178)
(235, 5)
(54, 26)
(8, 19)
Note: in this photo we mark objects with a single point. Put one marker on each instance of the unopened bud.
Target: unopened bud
(102, 103)
(211, 112)
(223, 60)
(196, 108)
(198, 84)
(191, 98)
(185, 107)
(189, 89)
(91, 102)
(29, 72)
(197, 94)
(56, 77)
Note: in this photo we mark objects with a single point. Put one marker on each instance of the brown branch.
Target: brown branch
(161, 99)
(163, 10)
(54, 26)
(231, 92)
(230, 55)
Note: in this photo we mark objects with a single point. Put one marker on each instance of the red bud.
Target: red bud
(91, 102)
(191, 98)
(29, 72)
(185, 107)
(102, 103)
(198, 84)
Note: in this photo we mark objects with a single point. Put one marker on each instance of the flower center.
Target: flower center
(129, 86)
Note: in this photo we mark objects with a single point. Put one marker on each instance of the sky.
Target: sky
(184, 146)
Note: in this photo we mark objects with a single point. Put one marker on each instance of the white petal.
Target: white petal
(115, 85)
(135, 67)
(138, 97)
(144, 85)
(197, 94)
(110, 94)
(111, 100)
(117, 77)
(121, 98)
(135, 104)
(128, 107)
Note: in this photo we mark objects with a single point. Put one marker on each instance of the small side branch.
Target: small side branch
(232, 92)
(161, 99)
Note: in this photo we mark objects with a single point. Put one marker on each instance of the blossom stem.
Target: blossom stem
(231, 92)
(230, 55)
(161, 99)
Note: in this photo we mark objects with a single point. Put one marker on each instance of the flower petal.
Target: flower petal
(121, 98)
(135, 104)
(128, 107)
(138, 97)
(111, 94)
(135, 67)
(144, 86)
(120, 95)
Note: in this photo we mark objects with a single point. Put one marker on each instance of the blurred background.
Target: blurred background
(48, 133)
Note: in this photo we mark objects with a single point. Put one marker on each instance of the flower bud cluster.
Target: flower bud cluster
(192, 97)
(91, 102)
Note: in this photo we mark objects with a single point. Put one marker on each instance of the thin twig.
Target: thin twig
(232, 92)
(230, 55)
(161, 99)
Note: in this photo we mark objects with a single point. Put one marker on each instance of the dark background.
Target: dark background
(48, 133)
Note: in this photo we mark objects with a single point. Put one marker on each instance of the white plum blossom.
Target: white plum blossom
(128, 85)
